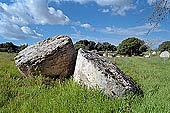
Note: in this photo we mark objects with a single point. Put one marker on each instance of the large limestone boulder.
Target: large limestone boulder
(165, 54)
(54, 57)
(93, 71)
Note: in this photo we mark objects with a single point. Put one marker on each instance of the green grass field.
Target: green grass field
(42, 95)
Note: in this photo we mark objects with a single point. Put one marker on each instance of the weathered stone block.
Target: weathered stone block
(93, 70)
(54, 57)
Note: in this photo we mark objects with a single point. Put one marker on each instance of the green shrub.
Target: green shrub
(105, 47)
(78, 46)
(22, 47)
(130, 46)
(85, 44)
(165, 46)
(90, 45)
(11, 48)
(144, 48)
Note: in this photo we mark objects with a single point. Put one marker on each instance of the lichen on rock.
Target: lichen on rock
(92, 70)
(54, 57)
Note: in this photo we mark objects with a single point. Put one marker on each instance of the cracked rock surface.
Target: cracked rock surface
(93, 70)
(54, 57)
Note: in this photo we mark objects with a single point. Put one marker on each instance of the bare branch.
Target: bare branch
(160, 13)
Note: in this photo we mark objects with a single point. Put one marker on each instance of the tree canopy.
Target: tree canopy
(131, 46)
(10, 47)
(160, 12)
(165, 46)
(91, 45)
(85, 44)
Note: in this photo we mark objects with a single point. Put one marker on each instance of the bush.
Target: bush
(11, 48)
(85, 44)
(22, 47)
(8, 47)
(105, 47)
(165, 46)
(130, 46)
(90, 45)
(78, 46)
(144, 48)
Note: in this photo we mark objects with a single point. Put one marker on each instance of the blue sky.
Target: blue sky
(29, 21)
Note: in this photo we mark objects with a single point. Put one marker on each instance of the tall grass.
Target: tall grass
(43, 95)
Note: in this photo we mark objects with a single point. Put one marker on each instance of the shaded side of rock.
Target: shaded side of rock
(54, 57)
(93, 70)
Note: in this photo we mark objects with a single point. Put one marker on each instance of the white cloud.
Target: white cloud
(42, 14)
(76, 31)
(26, 12)
(121, 10)
(142, 10)
(150, 2)
(105, 10)
(87, 26)
(14, 32)
(32, 12)
(119, 7)
(135, 31)
(30, 32)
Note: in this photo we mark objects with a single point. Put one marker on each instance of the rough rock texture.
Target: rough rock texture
(93, 70)
(54, 57)
(165, 54)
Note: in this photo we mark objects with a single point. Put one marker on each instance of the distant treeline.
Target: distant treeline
(91, 45)
(11, 48)
(130, 46)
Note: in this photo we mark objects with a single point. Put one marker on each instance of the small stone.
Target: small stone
(154, 53)
(118, 56)
(147, 56)
(105, 54)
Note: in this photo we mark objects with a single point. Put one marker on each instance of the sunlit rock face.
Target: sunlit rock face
(54, 57)
(93, 71)
(165, 54)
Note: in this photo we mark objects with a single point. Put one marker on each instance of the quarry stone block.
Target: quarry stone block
(92, 70)
(54, 57)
